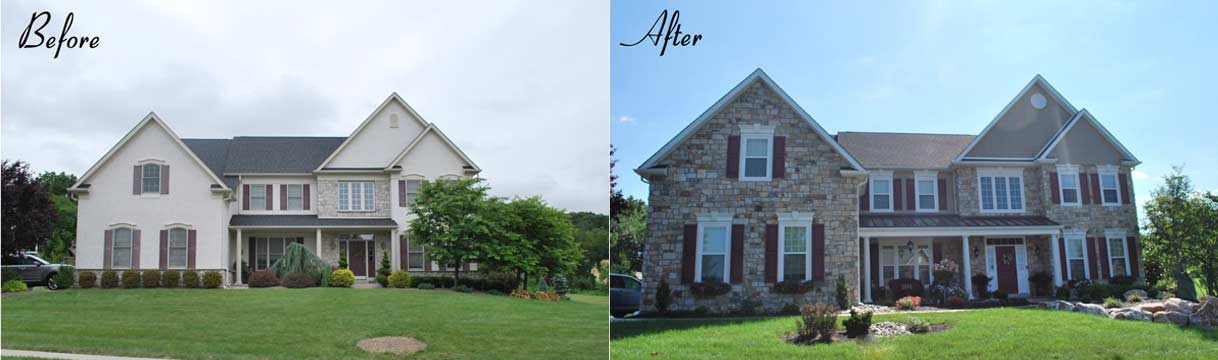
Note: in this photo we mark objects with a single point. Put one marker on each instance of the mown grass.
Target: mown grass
(991, 333)
(301, 323)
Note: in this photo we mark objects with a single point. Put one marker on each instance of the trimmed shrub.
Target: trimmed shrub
(1001, 295)
(213, 279)
(297, 280)
(561, 285)
(463, 288)
(858, 324)
(436, 281)
(109, 279)
(152, 278)
(709, 289)
(190, 279)
(1112, 303)
(791, 287)
(917, 325)
(494, 292)
(171, 278)
(65, 277)
(843, 292)
(955, 301)
(88, 280)
(263, 279)
(131, 279)
(399, 279)
(14, 285)
(1135, 298)
(425, 286)
(1063, 293)
(663, 296)
(7, 275)
(383, 280)
(980, 283)
(504, 282)
(816, 322)
(909, 303)
(521, 293)
(385, 269)
(342, 278)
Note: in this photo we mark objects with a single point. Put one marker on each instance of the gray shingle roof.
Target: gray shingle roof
(903, 150)
(306, 220)
(913, 221)
(262, 154)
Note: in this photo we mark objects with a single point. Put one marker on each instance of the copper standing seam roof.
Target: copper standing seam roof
(916, 221)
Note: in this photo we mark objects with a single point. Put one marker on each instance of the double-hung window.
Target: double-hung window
(177, 248)
(881, 191)
(412, 190)
(757, 152)
(414, 255)
(1076, 257)
(796, 249)
(713, 257)
(295, 197)
(355, 195)
(928, 191)
(901, 262)
(120, 248)
(257, 197)
(1118, 255)
(150, 179)
(1067, 183)
(1109, 188)
(1001, 190)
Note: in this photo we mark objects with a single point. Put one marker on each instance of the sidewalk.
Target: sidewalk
(51, 355)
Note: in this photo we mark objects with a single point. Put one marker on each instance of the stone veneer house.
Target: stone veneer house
(754, 192)
(246, 198)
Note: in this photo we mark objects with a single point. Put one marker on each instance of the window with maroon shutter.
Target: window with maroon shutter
(943, 194)
(688, 253)
(1076, 259)
(909, 195)
(1132, 246)
(270, 198)
(771, 253)
(713, 252)
(164, 247)
(1084, 184)
(898, 194)
(865, 199)
(283, 196)
(1105, 270)
(192, 248)
(164, 179)
(818, 252)
(780, 156)
(245, 197)
(733, 157)
(137, 181)
(1111, 188)
(737, 257)
(1092, 259)
(1053, 188)
(795, 248)
(1125, 195)
(305, 196)
(401, 193)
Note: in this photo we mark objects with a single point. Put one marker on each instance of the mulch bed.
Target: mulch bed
(840, 336)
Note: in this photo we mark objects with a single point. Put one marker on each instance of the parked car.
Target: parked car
(33, 270)
(625, 293)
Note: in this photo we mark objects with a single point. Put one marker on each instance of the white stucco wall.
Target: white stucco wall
(378, 143)
(430, 159)
(190, 201)
(276, 194)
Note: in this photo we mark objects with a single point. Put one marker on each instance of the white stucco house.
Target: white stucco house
(158, 201)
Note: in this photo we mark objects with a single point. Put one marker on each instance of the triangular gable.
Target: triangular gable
(392, 98)
(757, 75)
(1027, 152)
(433, 129)
(150, 119)
(1073, 131)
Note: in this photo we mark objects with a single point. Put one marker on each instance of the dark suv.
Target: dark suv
(33, 270)
(625, 291)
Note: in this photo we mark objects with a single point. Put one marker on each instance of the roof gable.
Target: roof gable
(372, 149)
(150, 120)
(1021, 130)
(1085, 141)
(757, 75)
(430, 140)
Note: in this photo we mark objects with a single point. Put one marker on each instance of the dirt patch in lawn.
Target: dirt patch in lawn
(397, 345)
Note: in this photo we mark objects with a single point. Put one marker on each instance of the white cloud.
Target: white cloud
(625, 119)
(1139, 175)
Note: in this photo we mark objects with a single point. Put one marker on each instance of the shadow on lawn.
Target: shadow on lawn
(629, 329)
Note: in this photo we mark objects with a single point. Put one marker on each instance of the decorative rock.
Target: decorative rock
(1092, 309)
(1151, 307)
(1140, 293)
(1206, 314)
(1061, 305)
(1171, 317)
(1179, 305)
(888, 328)
(1129, 314)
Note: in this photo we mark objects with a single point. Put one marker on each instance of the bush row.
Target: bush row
(131, 279)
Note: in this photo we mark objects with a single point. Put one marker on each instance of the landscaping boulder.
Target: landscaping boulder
(1179, 305)
(1151, 307)
(1129, 314)
(1092, 309)
(1173, 317)
(1206, 314)
(1061, 305)
(1140, 293)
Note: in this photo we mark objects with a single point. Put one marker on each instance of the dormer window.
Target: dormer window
(150, 182)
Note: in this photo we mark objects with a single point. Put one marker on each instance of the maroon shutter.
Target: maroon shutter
(135, 249)
(402, 193)
(1057, 197)
(164, 249)
(245, 197)
(689, 249)
(403, 254)
(780, 156)
(270, 198)
(1084, 188)
(771, 253)
(1095, 189)
(164, 179)
(1093, 263)
(1105, 272)
(253, 256)
(875, 267)
(1061, 250)
(108, 252)
(943, 194)
(304, 192)
(283, 197)
(191, 242)
(135, 180)
(733, 156)
(818, 251)
(865, 199)
(1124, 180)
(737, 269)
(898, 198)
(910, 203)
(1131, 248)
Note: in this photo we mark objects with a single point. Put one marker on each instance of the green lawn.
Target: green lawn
(992, 333)
(302, 323)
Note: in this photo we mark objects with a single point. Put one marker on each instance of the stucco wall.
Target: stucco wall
(1023, 130)
(378, 143)
(276, 194)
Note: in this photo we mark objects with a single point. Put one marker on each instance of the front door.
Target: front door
(1008, 272)
(357, 257)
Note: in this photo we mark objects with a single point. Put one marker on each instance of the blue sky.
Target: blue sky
(1145, 70)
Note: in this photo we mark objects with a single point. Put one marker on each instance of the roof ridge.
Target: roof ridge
(900, 133)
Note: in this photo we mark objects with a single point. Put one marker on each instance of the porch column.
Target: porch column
(395, 246)
(318, 243)
(1057, 267)
(867, 269)
(968, 273)
(238, 262)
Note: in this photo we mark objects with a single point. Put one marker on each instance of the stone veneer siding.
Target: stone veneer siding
(1095, 218)
(968, 196)
(327, 200)
(696, 183)
(330, 250)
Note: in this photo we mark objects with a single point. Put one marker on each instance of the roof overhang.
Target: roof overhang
(470, 167)
(960, 231)
(269, 227)
(1085, 115)
(149, 119)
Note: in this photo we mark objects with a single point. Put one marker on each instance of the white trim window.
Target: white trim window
(1001, 190)
(1110, 190)
(415, 255)
(268, 250)
(927, 187)
(1118, 255)
(295, 196)
(150, 176)
(1076, 257)
(898, 262)
(1067, 184)
(881, 191)
(120, 247)
(178, 247)
(756, 152)
(795, 250)
(412, 190)
(355, 195)
(714, 241)
(257, 197)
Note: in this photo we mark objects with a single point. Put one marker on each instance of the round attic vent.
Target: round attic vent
(1038, 101)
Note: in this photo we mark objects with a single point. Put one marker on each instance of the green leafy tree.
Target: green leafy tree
(510, 252)
(629, 236)
(543, 239)
(63, 233)
(454, 221)
(29, 215)
(1180, 232)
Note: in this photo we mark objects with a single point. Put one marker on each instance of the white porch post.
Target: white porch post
(318, 243)
(1057, 267)
(867, 269)
(238, 262)
(395, 246)
(968, 273)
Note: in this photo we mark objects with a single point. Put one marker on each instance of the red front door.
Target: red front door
(357, 258)
(1008, 278)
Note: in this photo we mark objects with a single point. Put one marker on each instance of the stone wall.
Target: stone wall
(1095, 218)
(696, 183)
(327, 200)
(968, 199)
(330, 246)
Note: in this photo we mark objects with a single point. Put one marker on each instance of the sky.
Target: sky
(1145, 70)
(519, 86)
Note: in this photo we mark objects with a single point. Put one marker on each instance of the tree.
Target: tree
(29, 214)
(63, 232)
(1205, 251)
(1180, 232)
(546, 232)
(629, 237)
(455, 221)
(592, 233)
(617, 202)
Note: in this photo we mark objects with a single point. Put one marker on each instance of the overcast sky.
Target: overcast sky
(521, 87)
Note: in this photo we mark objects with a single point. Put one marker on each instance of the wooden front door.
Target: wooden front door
(1008, 273)
(357, 257)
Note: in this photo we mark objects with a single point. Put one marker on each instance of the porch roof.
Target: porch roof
(307, 221)
(949, 221)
